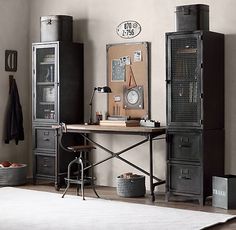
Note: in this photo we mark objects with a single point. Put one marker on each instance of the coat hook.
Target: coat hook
(11, 77)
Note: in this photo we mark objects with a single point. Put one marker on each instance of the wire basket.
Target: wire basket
(10, 176)
(131, 187)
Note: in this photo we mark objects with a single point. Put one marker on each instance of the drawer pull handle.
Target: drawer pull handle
(46, 139)
(185, 174)
(45, 165)
(185, 177)
(184, 146)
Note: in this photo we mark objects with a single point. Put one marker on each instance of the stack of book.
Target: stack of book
(128, 123)
(118, 118)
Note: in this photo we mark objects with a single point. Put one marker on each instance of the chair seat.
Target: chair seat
(79, 148)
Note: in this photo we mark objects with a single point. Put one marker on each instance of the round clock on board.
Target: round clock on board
(133, 97)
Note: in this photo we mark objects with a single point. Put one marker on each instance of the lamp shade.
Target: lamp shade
(104, 89)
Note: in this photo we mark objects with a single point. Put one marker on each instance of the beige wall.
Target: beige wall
(95, 25)
(14, 26)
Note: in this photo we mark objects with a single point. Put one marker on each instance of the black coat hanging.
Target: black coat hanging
(14, 119)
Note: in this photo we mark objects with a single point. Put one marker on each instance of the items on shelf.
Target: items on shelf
(49, 94)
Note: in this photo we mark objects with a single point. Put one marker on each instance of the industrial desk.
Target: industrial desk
(149, 135)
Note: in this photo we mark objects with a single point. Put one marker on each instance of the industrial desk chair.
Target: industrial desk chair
(79, 179)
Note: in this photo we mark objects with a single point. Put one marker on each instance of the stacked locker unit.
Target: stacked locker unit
(57, 96)
(195, 112)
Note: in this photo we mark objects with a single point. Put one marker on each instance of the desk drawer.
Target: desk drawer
(184, 146)
(45, 138)
(45, 165)
(185, 178)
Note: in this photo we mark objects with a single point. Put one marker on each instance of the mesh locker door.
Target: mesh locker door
(185, 83)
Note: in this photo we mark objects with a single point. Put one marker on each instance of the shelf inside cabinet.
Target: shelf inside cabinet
(46, 103)
(187, 51)
(184, 79)
(47, 63)
(46, 83)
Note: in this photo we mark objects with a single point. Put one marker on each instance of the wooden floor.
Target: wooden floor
(110, 193)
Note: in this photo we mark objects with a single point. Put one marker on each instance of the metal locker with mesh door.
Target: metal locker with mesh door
(195, 112)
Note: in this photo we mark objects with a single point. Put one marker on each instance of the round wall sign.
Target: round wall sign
(128, 29)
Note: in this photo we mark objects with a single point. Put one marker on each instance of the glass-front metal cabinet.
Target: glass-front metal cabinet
(57, 96)
(45, 79)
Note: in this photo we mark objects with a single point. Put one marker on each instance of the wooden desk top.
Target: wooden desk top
(137, 130)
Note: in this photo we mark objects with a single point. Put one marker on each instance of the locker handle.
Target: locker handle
(184, 146)
(46, 139)
(45, 165)
(185, 177)
(185, 174)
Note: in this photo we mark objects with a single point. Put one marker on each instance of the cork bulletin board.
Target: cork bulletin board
(128, 78)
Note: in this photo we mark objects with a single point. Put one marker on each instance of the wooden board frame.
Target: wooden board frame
(128, 70)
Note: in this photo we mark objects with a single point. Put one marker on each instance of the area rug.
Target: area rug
(27, 209)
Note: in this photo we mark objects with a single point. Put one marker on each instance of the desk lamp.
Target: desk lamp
(104, 89)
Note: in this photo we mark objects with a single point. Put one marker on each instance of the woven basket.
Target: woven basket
(10, 176)
(132, 187)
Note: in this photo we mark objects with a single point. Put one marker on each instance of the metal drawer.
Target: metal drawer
(185, 146)
(45, 139)
(185, 178)
(45, 165)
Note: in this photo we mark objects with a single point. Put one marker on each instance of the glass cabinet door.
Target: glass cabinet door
(45, 82)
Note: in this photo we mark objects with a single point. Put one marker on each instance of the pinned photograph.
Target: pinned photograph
(125, 60)
(118, 71)
(137, 56)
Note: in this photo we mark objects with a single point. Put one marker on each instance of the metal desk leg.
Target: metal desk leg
(149, 138)
(151, 168)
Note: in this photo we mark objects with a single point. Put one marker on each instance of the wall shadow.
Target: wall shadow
(80, 34)
(230, 103)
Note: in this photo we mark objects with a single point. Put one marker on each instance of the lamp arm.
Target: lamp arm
(91, 106)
